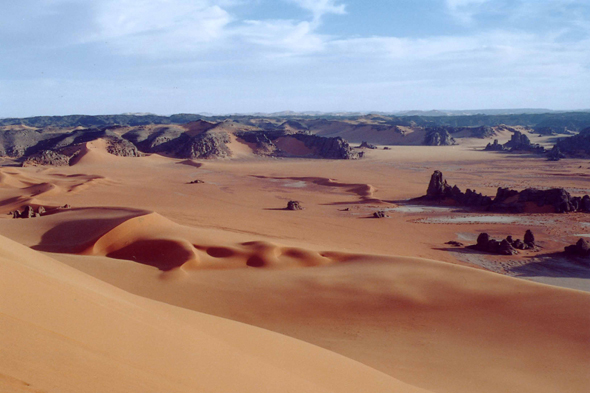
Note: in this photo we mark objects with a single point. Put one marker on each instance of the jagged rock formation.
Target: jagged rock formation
(294, 205)
(47, 158)
(439, 189)
(580, 249)
(438, 136)
(577, 146)
(519, 142)
(207, 145)
(555, 154)
(557, 200)
(494, 146)
(367, 145)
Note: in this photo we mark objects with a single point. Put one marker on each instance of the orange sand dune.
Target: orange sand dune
(238, 254)
(420, 321)
(65, 331)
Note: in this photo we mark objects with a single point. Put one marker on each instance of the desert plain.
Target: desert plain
(148, 283)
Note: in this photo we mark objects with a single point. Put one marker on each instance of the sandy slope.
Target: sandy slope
(420, 321)
(312, 275)
(64, 331)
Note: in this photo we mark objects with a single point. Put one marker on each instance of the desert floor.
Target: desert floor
(150, 284)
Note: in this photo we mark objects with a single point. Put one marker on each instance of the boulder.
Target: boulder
(294, 205)
(380, 214)
(580, 249)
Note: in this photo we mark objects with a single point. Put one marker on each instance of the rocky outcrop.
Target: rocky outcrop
(260, 140)
(380, 214)
(331, 148)
(521, 142)
(555, 154)
(367, 145)
(438, 137)
(294, 205)
(580, 249)
(577, 146)
(121, 147)
(494, 146)
(557, 200)
(207, 145)
(439, 190)
(47, 158)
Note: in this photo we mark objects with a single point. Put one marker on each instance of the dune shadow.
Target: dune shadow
(75, 236)
(161, 253)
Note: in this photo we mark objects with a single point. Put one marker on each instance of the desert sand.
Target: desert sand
(148, 283)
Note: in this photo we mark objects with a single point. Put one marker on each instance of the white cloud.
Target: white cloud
(159, 27)
(464, 10)
(319, 8)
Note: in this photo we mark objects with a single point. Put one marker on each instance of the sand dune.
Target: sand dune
(103, 339)
(224, 254)
(419, 321)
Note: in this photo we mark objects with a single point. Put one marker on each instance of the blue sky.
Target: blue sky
(238, 56)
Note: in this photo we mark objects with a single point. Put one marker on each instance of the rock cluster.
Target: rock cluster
(196, 182)
(380, 214)
(506, 246)
(519, 142)
(506, 200)
(294, 205)
(29, 212)
(580, 249)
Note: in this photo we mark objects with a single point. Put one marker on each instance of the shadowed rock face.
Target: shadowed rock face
(494, 146)
(207, 145)
(48, 157)
(331, 148)
(580, 249)
(575, 146)
(438, 137)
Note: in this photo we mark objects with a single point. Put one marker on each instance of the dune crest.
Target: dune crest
(105, 339)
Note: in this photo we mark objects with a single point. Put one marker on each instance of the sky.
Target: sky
(60, 57)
